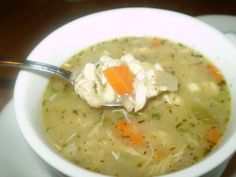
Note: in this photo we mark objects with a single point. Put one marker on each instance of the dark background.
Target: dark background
(24, 23)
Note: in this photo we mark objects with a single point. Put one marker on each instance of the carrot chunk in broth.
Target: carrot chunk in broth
(213, 135)
(126, 130)
(215, 72)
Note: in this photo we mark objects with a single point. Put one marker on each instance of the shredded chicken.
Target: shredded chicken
(149, 81)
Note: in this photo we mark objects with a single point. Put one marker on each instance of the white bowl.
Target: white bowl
(83, 32)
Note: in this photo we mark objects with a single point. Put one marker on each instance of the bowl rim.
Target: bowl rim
(70, 169)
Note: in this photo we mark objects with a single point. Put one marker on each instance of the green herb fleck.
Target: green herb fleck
(44, 102)
(64, 145)
(156, 116)
(207, 151)
(189, 147)
(47, 129)
(196, 55)
(139, 165)
(75, 112)
(170, 111)
(178, 125)
(66, 86)
(141, 121)
(195, 158)
(54, 90)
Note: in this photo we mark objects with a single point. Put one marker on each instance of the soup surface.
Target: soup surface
(173, 130)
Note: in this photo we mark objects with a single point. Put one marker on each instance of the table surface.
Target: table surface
(23, 23)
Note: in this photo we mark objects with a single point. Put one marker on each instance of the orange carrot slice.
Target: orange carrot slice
(215, 72)
(136, 138)
(161, 154)
(120, 78)
(213, 135)
(126, 130)
(156, 42)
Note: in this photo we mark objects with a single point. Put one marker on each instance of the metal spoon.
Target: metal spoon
(47, 68)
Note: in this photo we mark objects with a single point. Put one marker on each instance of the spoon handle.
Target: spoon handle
(47, 68)
(38, 66)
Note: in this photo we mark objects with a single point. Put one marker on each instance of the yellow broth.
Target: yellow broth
(175, 136)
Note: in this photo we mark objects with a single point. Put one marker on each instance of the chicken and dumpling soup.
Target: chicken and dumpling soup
(173, 130)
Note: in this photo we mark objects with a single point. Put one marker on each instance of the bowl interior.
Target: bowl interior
(79, 34)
